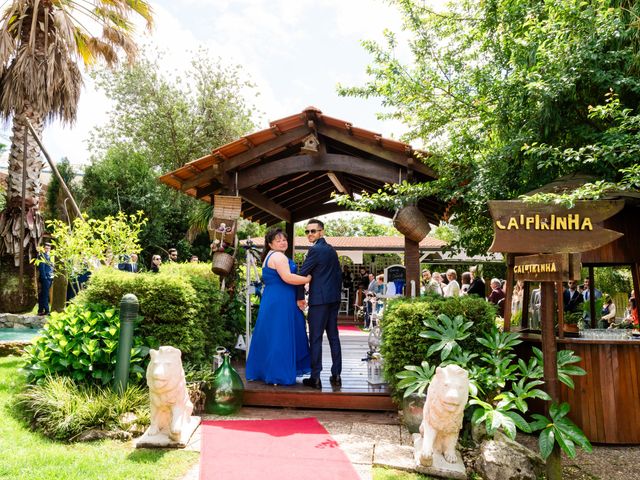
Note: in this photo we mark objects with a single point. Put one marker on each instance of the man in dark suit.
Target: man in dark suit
(572, 298)
(131, 265)
(45, 278)
(324, 301)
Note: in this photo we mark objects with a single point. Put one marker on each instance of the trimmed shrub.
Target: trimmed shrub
(180, 306)
(403, 321)
(81, 342)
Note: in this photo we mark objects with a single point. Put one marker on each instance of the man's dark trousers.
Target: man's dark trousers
(43, 295)
(321, 318)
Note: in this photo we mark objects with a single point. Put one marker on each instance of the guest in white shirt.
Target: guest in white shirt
(453, 288)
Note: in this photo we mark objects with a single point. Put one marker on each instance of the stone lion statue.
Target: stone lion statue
(447, 396)
(170, 405)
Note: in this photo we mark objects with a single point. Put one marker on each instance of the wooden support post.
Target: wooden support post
(592, 300)
(549, 356)
(509, 294)
(635, 276)
(560, 301)
(547, 309)
(526, 298)
(412, 265)
(290, 231)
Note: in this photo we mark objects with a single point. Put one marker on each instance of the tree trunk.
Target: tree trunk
(11, 217)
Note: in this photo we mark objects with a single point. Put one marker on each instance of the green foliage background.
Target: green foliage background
(403, 321)
(180, 306)
(508, 95)
(159, 122)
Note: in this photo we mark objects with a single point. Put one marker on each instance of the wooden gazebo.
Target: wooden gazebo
(289, 171)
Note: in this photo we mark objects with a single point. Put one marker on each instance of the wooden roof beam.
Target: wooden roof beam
(259, 174)
(254, 197)
(339, 182)
(215, 172)
(377, 150)
(266, 147)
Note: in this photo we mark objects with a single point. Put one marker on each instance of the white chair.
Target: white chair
(344, 302)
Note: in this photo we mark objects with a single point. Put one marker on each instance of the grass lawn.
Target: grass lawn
(25, 454)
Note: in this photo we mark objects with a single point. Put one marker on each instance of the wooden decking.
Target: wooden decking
(355, 394)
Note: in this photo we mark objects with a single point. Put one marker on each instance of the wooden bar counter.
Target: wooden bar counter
(605, 403)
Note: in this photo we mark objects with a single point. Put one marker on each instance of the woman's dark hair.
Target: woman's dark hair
(270, 237)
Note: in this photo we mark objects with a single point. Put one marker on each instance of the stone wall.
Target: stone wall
(14, 320)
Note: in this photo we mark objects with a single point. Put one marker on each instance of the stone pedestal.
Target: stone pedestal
(440, 467)
(162, 440)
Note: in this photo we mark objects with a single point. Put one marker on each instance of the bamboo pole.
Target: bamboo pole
(55, 170)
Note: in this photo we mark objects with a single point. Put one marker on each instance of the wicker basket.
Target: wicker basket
(227, 207)
(222, 263)
(411, 223)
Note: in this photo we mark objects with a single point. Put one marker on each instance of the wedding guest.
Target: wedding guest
(497, 295)
(477, 284)
(45, 279)
(631, 315)
(156, 261)
(465, 278)
(572, 298)
(608, 317)
(516, 297)
(453, 287)
(429, 284)
(173, 255)
(439, 287)
(279, 346)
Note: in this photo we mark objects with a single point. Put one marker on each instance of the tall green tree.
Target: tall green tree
(158, 123)
(57, 204)
(42, 43)
(505, 94)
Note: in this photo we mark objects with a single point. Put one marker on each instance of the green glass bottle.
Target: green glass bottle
(226, 392)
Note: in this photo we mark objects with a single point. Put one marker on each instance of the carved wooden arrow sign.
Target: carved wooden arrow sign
(521, 227)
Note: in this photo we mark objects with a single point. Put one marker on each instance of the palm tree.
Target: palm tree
(41, 45)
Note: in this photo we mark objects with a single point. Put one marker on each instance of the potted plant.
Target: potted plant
(571, 322)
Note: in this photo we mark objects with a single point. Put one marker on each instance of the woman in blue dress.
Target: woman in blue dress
(279, 349)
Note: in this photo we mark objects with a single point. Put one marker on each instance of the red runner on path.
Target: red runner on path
(348, 328)
(271, 450)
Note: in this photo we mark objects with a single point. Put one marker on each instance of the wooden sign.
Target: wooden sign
(521, 227)
(555, 267)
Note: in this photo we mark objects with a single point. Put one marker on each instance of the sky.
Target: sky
(295, 51)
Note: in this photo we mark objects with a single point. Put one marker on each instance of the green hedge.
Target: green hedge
(404, 320)
(182, 306)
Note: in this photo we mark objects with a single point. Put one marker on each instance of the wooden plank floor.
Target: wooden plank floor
(355, 394)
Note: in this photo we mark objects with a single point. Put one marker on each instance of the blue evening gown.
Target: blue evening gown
(279, 349)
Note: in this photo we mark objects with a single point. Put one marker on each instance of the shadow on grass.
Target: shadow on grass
(148, 455)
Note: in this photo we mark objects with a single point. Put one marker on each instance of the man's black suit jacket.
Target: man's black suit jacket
(324, 267)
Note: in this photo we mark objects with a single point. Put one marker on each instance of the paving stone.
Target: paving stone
(392, 455)
(389, 433)
(358, 449)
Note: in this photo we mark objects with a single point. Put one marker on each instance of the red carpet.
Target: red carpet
(348, 328)
(271, 450)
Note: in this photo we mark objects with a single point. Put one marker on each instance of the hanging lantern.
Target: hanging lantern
(375, 369)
